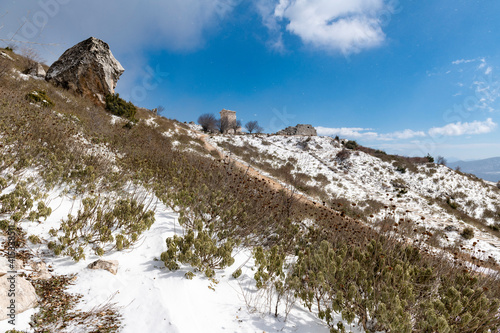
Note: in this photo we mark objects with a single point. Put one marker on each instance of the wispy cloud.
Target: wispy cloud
(459, 128)
(483, 93)
(403, 135)
(266, 9)
(463, 61)
(454, 129)
(347, 132)
(340, 26)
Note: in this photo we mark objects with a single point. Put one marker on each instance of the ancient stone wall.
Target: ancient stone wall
(300, 129)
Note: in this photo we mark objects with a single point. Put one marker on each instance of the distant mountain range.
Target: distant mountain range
(488, 169)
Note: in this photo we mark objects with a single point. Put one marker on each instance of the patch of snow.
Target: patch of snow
(151, 122)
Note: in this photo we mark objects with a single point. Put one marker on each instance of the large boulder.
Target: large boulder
(300, 129)
(18, 295)
(88, 68)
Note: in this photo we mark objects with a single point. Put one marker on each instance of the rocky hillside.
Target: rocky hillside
(118, 220)
(440, 200)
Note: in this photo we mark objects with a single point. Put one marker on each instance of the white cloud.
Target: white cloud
(368, 133)
(457, 129)
(180, 25)
(403, 135)
(345, 26)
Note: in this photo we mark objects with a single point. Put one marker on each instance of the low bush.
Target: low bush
(343, 155)
(120, 107)
(200, 248)
(351, 144)
(5, 66)
(467, 233)
(40, 96)
(99, 224)
(59, 309)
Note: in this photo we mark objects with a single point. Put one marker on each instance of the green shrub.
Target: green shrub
(42, 211)
(351, 144)
(18, 202)
(467, 233)
(40, 96)
(120, 107)
(34, 239)
(96, 223)
(3, 183)
(401, 169)
(4, 225)
(237, 273)
(199, 248)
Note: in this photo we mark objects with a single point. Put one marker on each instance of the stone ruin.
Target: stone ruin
(300, 129)
(228, 122)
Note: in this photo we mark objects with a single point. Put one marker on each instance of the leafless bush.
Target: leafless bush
(253, 126)
(208, 122)
(30, 58)
(343, 155)
(441, 160)
(5, 66)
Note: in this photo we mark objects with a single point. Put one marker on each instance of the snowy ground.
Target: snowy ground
(153, 299)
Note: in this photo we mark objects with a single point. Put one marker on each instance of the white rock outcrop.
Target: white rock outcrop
(18, 295)
(5, 265)
(37, 70)
(40, 271)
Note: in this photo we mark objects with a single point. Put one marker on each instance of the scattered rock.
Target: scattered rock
(450, 228)
(40, 271)
(300, 129)
(109, 265)
(5, 265)
(25, 295)
(88, 68)
(398, 185)
(36, 70)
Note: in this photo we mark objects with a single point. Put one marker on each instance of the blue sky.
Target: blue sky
(409, 77)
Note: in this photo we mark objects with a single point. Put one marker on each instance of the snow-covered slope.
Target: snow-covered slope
(361, 177)
(153, 299)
